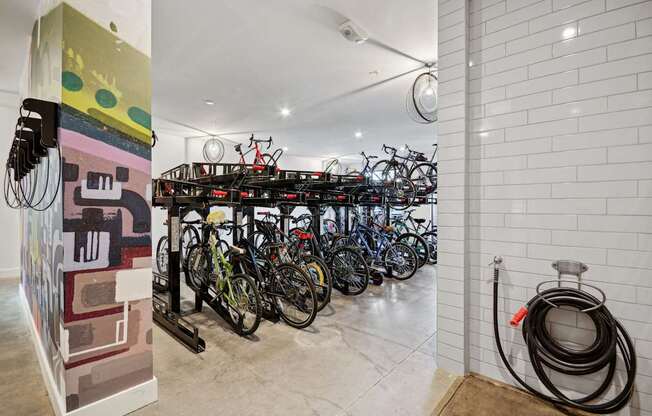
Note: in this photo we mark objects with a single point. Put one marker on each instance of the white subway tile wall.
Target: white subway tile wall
(452, 131)
(557, 163)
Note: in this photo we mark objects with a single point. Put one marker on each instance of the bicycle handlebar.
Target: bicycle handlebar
(268, 141)
(392, 150)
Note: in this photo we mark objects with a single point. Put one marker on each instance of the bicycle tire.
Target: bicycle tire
(257, 307)
(195, 267)
(402, 194)
(162, 255)
(323, 281)
(377, 171)
(424, 177)
(299, 277)
(349, 270)
(419, 244)
(257, 239)
(408, 251)
(189, 237)
(431, 239)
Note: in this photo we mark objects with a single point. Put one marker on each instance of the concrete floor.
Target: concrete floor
(22, 391)
(368, 355)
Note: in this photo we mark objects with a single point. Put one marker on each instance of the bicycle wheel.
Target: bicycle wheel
(419, 244)
(401, 261)
(197, 267)
(245, 300)
(349, 270)
(189, 238)
(258, 238)
(377, 173)
(293, 294)
(424, 177)
(162, 255)
(321, 278)
(431, 239)
(400, 193)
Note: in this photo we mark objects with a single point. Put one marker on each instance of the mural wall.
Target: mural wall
(98, 244)
(42, 235)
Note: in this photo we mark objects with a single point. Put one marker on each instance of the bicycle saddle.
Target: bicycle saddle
(419, 220)
(216, 217)
(236, 250)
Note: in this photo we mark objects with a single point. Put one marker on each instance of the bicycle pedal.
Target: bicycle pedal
(377, 280)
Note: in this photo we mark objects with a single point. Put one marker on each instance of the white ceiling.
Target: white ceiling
(254, 57)
(16, 21)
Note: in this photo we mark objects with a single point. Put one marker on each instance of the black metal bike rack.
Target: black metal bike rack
(199, 186)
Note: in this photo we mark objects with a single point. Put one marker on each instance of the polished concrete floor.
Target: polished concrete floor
(22, 391)
(368, 355)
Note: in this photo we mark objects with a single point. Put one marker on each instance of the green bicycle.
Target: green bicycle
(208, 269)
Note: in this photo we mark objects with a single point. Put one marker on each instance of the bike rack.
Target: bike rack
(199, 186)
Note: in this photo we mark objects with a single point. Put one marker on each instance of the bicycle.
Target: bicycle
(415, 166)
(269, 237)
(285, 288)
(398, 190)
(261, 160)
(189, 237)
(399, 259)
(208, 270)
(409, 224)
(417, 242)
(349, 269)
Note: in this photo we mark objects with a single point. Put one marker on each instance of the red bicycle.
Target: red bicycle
(261, 160)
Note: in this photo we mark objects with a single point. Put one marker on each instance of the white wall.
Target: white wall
(9, 218)
(549, 157)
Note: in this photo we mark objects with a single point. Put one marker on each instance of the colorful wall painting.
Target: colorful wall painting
(86, 261)
(104, 77)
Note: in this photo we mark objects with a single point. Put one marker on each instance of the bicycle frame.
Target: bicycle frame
(359, 231)
(259, 161)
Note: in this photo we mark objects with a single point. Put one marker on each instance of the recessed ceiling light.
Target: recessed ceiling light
(358, 134)
(569, 32)
(285, 112)
(209, 102)
(285, 148)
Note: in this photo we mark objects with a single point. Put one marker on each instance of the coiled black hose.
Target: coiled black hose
(544, 351)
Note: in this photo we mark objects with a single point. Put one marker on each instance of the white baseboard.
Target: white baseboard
(10, 273)
(118, 404)
(123, 402)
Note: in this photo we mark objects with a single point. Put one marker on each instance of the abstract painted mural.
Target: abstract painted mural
(107, 252)
(104, 77)
(86, 261)
(42, 231)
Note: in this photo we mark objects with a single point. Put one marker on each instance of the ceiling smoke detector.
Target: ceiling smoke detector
(353, 32)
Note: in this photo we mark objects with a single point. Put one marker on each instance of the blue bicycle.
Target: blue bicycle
(399, 260)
